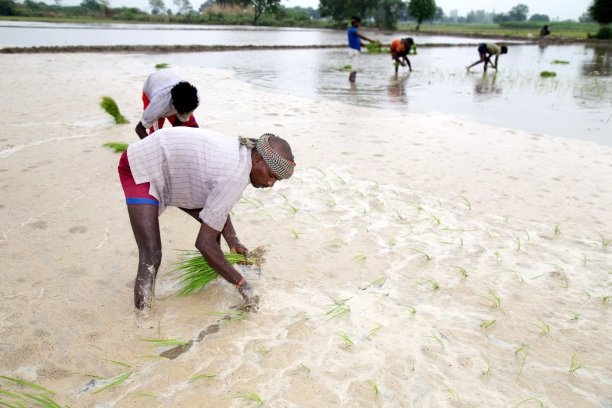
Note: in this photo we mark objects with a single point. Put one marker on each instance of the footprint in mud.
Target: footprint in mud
(38, 224)
(77, 228)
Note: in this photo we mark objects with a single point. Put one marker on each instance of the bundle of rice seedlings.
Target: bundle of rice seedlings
(196, 273)
(110, 106)
(547, 74)
(119, 147)
(162, 65)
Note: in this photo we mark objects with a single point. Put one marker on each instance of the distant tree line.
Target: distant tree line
(379, 13)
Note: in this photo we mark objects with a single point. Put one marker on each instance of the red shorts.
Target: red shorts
(171, 119)
(134, 193)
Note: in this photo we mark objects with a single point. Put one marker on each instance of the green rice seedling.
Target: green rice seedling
(150, 356)
(493, 299)
(27, 384)
(436, 338)
(605, 299)
(164, 342)
(290, 209)
(347, 340)
(452, 393)
(506, 217)
(575, 317)
(520, 275)
(360, 258)
(303, 367)
(117, 362)
(340, 308)
(110, 106)
(339, 178)
(302, 320)
(575, 364)
(412, 309)
(263, 351)
(527, 233)
(117, 147)
(422, 253)
(142, 394)
(545, 328)
(540, 403)
(560, 62)
(518, 241)
(430, 281)
(255, 204)
(347, 67)
(12, 395)
(489, 369)
(525, 350)
(376, 47)
(374, 387)
(296, 234)
(467, 202)
(462, 270)
(548, 74)
(486, 325)
(282, 195)
(197, 377)
(392, 243)
(250, 396)
(196, 273)
(114, 382)
(377, 283)
(373, 331)
(557, 229)
(604, 241)
(375, 185)
(331, 203)
(498, 256)
(162, 65)
(41, 401)
(434, 219)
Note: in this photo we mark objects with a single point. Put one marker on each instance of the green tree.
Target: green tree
(157, 6)
(518, 12)
(540, 17)
(601, 11)
(7, 7)
(422, 10)
(342, 10)
(261, 6)
(388, 13)
(439, 16)
(184, 7)
(91, 6)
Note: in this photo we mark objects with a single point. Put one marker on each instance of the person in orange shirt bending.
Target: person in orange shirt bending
(399, 50)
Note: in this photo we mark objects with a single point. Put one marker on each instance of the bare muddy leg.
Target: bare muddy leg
(145, 225)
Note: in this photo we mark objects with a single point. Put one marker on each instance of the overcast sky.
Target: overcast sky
(555, 9)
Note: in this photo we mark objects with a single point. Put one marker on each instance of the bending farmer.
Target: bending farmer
(486, 51)
(165, 95)
(203, 173)
(355, 44)
(399, 50)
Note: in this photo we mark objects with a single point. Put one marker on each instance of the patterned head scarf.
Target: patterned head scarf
(281, 167)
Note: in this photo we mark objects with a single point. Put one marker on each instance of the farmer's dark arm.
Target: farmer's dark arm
(363, 37)
(496, 58)
(408, 62)
(141, 131)
(229, 234)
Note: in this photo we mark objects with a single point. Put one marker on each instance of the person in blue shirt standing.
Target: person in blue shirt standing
(354, 40)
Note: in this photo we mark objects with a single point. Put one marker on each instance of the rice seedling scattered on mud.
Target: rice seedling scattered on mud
(467, 202)
(545, 328)
(548, 74)
(527, 233)
(518, 242)
(340, 308)
(339, 178)
(142, 394)
(575, 316)
(462, 270)
(430, 281)
(604, 241)
(373, 331)
(412, 309)
(331, 203)
(114, 382)
(302, 320)
(303, 367)
(196, 273)
(197, 377)
(498, 257)
(27, 384)
(605, 299)
(560, 62)
(506, 217)
(110, 106)
(376, 283)
(525, 350)
(347, 340)
(557, 229)
(250, 396)
(575, 364)
(263, 351)
(486, 325)
(540, 403)
(162, 65)
(392, 243)
(360, 258)
(421, 252)
(117, 147)
(374, 387)
(436, 338)
(494, 299)
(41, 401)
(452, 393)
(489, 369)
(434, 219)
(520, 275)
(254, 203)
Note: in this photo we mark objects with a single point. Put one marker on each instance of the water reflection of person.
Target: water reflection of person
(399, 51)
(486, 51)
(397, 88)
(355, 44)
(486, 85)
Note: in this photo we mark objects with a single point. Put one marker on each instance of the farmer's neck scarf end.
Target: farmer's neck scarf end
(281, 167)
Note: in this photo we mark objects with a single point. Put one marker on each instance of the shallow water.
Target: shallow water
(574, 104)
(32, 34)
